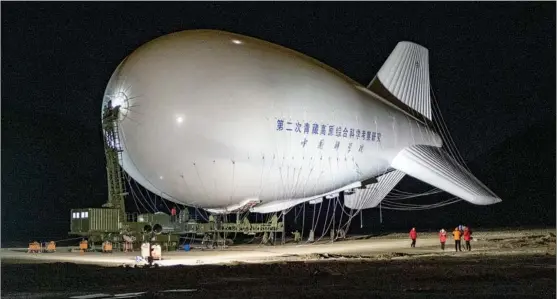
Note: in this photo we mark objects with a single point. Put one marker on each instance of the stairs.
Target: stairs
(113, 152)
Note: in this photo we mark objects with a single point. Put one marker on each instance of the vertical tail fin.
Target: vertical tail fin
(404, 77)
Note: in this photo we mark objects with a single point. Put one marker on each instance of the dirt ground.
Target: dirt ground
(502, 264)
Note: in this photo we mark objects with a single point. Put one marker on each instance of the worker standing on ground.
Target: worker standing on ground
(467, 237)
(173, 214)
(297, 236)
(456, 235)
(413, 236)
(442, 238)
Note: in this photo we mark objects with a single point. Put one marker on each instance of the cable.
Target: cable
(453, 200)
(445, 128)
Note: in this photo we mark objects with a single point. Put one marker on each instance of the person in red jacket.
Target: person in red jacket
(173, 214)
(442, 238)
(467, 237)
(413, 236)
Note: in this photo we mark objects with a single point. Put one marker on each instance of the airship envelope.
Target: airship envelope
(227, 122)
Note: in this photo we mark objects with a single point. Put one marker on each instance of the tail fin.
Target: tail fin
(404, 77)
(434, 166)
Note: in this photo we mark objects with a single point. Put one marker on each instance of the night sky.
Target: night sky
(492, 67)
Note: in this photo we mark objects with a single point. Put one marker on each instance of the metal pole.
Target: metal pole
(303, 220)
(334, 213)
(313, 218)
(283, 227)
(380, 214)
(150, 259)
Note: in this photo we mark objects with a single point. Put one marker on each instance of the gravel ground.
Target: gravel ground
(522, 266)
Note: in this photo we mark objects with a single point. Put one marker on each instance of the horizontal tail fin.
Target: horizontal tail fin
(434, 166)
(374, 194)
(404, 78)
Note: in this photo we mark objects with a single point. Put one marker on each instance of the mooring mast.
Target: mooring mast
(113, 152)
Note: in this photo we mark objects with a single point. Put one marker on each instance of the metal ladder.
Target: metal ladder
(113, 152)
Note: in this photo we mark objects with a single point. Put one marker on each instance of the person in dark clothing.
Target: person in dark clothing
(413, 236)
